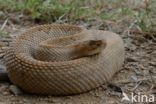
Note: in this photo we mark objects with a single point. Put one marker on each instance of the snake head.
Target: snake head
(90, 47)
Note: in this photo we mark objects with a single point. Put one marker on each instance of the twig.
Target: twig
(129, 28)
(62, 16)
(151, 77)
(151, 34)
(141, 79)
(137, 86)
(4, 24)
(98, 26)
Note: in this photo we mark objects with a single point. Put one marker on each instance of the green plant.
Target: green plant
(4, 34)
(52, 10)
(145, 18)
(48, 10)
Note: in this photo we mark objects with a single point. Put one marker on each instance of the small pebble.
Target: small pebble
(5, 93)
(131, 59)
(3, 87)
(15, 90)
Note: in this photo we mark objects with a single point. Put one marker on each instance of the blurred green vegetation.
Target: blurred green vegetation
(48, 10)
(53, 10)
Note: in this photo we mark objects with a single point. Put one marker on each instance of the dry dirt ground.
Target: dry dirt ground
(137, 75)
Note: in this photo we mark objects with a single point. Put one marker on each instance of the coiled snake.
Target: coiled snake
(63, 59)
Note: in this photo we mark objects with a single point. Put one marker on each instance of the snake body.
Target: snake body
(51, 70)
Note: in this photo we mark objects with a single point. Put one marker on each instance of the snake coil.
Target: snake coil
(29, 69)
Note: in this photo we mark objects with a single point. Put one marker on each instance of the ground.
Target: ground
(137, 75)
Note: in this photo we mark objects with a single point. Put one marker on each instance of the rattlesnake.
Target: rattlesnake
(63, 59)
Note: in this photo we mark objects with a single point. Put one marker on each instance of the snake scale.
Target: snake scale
(61, 59)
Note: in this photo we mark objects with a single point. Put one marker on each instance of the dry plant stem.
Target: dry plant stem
(151, 77)
(151, 34)
(129, 81)
(4, 24)
(138, 84)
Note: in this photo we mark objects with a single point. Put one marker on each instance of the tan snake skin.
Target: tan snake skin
(33, 69)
